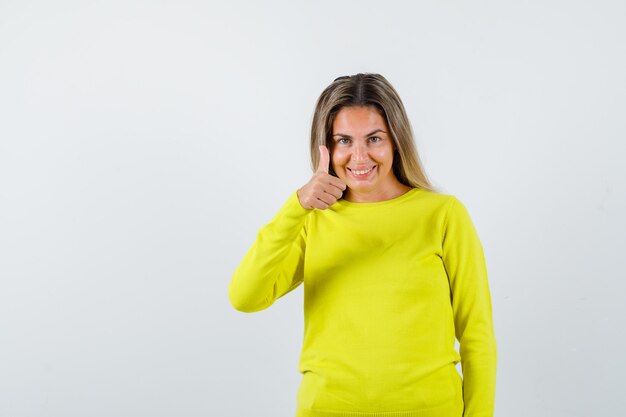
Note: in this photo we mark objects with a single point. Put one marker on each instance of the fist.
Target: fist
(323, 189)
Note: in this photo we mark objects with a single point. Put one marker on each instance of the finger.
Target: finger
(316, 203)
(336, 182)
(334, 193)
(333, 181)
(329, 194)
(325, 200)
(324, 159)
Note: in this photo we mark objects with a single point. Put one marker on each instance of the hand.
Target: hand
(323, 189)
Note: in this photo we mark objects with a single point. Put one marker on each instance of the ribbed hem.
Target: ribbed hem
(448, 410)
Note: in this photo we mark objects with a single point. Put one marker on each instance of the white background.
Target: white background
(144, 143)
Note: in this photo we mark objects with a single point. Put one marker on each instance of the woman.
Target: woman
(393, 271)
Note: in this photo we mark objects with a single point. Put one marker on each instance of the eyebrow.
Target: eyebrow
(343, 135)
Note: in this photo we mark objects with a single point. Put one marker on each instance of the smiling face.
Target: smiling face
(362, 152)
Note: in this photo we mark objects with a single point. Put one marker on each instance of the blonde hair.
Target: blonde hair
(369, 90)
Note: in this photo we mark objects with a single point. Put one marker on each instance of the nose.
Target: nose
(359, 152)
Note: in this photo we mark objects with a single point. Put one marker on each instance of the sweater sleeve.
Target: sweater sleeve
(274, 264)
(465, 265)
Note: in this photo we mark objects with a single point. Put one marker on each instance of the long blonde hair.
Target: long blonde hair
(373, 90)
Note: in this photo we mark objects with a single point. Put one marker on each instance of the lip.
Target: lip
(362, 176)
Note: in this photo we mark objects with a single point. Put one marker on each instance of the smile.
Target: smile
(362, 173)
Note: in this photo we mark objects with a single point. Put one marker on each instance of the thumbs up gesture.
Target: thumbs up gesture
(323, 189)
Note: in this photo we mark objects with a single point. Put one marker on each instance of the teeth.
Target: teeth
(362, 172)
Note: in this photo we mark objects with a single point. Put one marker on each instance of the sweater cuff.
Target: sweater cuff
(293, 208)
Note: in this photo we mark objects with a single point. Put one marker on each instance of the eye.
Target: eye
(376, 137)
(340, 139)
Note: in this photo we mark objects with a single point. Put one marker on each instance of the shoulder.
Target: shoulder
(437, 200)
(446, 207)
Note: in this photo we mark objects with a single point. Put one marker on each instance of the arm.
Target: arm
(273, 266)
(464, 261)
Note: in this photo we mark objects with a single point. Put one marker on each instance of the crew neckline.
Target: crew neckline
(366, 204)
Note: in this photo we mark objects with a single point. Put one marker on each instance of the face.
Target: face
(362, 152)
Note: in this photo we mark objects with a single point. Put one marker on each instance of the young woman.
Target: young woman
(393, 271)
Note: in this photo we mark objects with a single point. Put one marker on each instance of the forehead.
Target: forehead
(356, 120)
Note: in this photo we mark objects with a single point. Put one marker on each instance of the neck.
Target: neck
(387, 193)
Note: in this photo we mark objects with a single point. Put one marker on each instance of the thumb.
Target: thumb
(324, 159)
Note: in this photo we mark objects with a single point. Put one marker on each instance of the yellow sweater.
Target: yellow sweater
(387, 287)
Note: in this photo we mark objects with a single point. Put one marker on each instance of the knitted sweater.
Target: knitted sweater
(388, 286)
